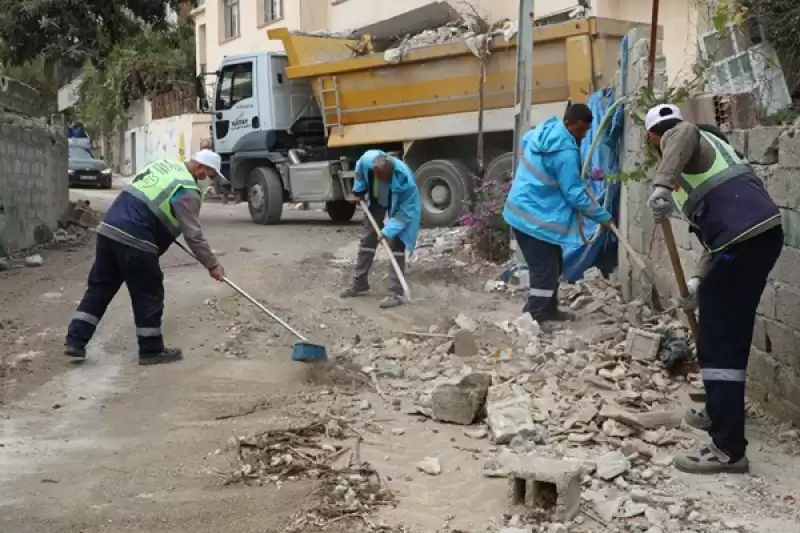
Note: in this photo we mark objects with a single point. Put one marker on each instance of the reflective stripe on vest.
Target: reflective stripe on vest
(157, 184)
(693, 187)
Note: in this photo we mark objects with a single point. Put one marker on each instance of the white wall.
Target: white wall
(172, 138)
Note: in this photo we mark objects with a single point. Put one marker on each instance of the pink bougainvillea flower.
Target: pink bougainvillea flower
(597, 173)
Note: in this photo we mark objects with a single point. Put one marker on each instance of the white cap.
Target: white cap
(660, 113)
(210, 159)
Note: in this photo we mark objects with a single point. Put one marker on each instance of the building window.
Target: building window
(235, 84)
(231, 17)
(273, 10)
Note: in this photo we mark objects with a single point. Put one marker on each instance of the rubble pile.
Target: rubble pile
(598, 395)
(310, 452)
(73, 231)
(455, 31)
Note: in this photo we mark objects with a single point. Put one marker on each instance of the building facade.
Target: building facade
(235, 26)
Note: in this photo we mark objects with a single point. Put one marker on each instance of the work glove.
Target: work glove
(689, 303)
(661, 203)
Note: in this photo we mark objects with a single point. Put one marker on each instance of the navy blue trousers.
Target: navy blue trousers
(728, 298)
(545, 264)
(115, 264)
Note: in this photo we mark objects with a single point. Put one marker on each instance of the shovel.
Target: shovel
(301, 351)
(403, 283)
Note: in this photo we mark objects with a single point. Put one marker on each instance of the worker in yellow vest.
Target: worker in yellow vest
(739, 226)
(162, 203)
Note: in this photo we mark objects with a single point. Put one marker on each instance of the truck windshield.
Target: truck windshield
(235, 84)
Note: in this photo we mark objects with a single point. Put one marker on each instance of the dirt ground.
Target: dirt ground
(108, 446)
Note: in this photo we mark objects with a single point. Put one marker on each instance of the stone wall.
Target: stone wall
(34, 188)
(774, 373)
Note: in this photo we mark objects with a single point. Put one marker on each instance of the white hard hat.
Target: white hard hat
(660, 113)
(210, 159)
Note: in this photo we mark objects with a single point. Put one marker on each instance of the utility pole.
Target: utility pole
(524, 75)
(524, 97)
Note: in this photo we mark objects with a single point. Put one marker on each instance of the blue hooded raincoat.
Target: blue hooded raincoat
(405, 208)
(547, 191)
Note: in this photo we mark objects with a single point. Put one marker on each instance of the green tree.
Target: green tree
(155, 60)
(56, 31)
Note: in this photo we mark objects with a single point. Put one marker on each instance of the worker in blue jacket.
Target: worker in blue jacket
(388, 187)
(543, 205)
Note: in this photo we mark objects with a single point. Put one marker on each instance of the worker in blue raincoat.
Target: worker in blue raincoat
(388, 187)
(543, 205)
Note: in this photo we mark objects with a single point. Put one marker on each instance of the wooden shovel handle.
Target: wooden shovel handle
(677, 268)
(388, 249)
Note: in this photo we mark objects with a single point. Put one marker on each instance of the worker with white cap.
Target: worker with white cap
(739, 226)
(162, 203)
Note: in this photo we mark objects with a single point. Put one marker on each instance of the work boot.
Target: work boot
(698, 419)
(168, 355)
(711, 460)
(78, 354)
(557, 315)
(352, 292)
(393, 300)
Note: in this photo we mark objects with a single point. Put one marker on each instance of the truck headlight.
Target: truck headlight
(106, 172)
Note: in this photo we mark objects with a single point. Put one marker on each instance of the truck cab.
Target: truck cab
(270, 134)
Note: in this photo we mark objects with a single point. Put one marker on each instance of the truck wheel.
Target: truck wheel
(265, 198)
(446, 189)
(340, 210)
(500, 169)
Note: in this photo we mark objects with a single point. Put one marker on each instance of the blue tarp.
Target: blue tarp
(603, 252)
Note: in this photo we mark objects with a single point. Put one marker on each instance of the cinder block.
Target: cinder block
(787, 268)
(784, 187)
(549, 484)
(761, 339)
(739, 140)
(789, 150)
(788, 385)
(790, 220)
(783, 343)
(642, 345)
(762, 368)
(762, 145)
(683, 238)
(767, 305)
(787, 306)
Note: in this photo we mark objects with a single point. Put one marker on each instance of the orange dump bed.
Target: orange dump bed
(571, 60)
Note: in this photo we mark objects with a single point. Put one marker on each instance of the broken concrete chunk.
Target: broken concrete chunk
(477, 434)
(659, 419)
(508, 412)
(642, 345)
(464, 344)
(611, 465)
(615, 412)
(430, 465)
(34, 260)
(465, 322)
(527, 326)
(462, 400)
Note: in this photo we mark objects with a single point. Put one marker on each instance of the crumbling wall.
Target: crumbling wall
(34, 187)
(774, 372)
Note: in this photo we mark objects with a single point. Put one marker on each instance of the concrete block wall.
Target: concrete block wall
(774, 152)
(34, 188)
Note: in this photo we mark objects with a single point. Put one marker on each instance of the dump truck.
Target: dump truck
(291, 125)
